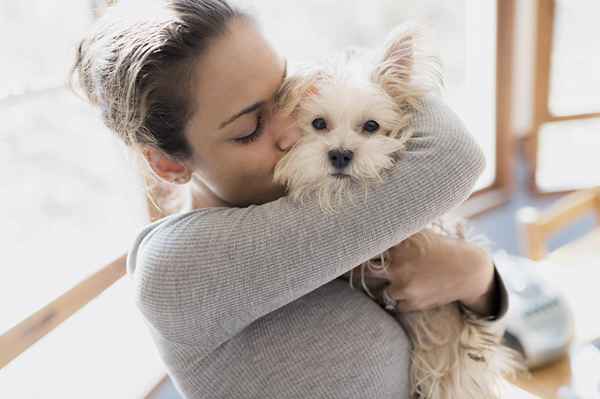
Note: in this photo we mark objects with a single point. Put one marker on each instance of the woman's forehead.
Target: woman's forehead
(238, 69)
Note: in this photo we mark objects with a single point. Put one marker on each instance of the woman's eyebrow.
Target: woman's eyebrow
(246, 110)
(252, 107)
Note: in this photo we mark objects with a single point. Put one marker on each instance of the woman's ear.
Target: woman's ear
(164, 167)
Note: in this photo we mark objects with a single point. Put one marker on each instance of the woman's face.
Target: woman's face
(235, 137)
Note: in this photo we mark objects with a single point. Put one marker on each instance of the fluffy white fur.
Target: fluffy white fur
(454, 355)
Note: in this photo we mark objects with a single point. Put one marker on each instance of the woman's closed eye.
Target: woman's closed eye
(254, 135)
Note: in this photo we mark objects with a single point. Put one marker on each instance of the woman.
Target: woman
(242, 293)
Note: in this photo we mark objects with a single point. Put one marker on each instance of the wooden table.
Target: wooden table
(574, 268)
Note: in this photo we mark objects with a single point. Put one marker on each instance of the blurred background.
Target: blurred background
(522, 74)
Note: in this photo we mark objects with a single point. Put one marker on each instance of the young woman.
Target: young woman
(242, 293)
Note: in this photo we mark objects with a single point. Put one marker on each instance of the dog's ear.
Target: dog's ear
(297, 88)
(401, 59)
(399, 49)
(397, 55)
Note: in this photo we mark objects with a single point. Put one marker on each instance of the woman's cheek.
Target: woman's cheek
(252, 169)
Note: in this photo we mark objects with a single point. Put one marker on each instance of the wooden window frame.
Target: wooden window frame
(541, 113)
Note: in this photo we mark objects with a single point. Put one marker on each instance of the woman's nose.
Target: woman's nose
(286, 131)
(287, 138)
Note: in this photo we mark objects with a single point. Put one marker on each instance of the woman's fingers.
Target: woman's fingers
(395, 299)
(401, 273)
(406, 306)
(397, 293)
(404, 251)
(406, 300)
(414, 246)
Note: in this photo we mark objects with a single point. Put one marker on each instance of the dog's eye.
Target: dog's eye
(319, 124)
(371, 126)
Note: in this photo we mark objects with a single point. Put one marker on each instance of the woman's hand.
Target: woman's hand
(441, 270)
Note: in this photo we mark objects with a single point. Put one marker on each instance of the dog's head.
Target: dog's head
(354, 113)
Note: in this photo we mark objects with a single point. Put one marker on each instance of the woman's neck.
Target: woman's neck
(200, 196)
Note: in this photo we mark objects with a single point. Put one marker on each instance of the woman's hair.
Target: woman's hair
(136, 65)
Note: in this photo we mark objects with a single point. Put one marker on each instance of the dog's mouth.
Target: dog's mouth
(339, 175)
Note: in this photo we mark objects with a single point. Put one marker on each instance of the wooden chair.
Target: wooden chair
(573, 268)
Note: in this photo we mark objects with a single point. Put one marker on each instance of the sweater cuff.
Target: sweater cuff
(501, 301)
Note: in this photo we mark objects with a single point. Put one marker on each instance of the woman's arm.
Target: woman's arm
(420, 280)
(203, 276)
(449, 270)
(492, 307)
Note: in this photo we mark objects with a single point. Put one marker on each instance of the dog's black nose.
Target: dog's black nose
(340, 158)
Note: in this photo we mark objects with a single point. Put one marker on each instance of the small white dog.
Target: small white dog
(369, 99)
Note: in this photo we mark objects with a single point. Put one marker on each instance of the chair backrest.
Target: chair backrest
(537, 227)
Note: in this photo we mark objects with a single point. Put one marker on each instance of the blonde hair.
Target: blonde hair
(135, 64)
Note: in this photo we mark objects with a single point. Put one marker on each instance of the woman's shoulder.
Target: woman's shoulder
(153, 231)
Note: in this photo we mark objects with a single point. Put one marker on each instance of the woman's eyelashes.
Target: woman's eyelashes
(254, 135)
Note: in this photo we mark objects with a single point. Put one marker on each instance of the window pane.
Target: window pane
(39, 37)
(575, 81)
(573, 166)
(72, 202)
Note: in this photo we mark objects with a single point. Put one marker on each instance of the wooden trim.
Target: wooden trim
(155, 390)
(26, 333)
(533, 188)
(484, 202)
(536, 227)
(569, 208)
(498, 193)
(564, 118)
(505, 57)
(541, 76)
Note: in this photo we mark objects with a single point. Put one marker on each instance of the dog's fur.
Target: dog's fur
(455, 355)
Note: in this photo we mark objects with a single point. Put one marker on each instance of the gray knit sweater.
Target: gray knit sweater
(252, 302)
